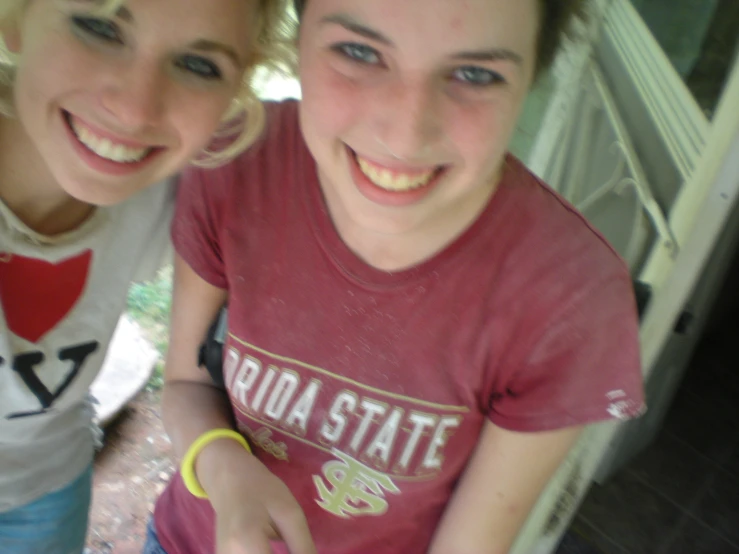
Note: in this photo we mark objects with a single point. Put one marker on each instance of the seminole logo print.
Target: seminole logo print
(353, 489)
(369, 441)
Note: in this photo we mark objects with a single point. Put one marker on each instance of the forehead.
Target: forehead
(440, 25)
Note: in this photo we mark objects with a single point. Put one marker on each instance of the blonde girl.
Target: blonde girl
(99, 101)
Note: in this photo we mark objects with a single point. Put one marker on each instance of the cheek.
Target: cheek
(48, 77)
(197, 116)
(58, 55)
(479, 134)
(34, 87)
(35, 76)
(332, 102)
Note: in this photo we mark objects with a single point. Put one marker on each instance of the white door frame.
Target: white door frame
(697, 218)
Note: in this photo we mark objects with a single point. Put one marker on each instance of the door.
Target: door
(642, 135)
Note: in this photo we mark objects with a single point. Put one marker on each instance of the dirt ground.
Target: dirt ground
(130, 471)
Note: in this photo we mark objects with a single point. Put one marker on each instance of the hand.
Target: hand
(252, 505)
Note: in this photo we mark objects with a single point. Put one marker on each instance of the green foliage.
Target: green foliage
(151, 302)
(156, 381)
(149, 305)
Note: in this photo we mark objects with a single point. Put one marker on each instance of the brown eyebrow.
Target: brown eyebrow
(205, 45)
(494, 54)
(352, 25)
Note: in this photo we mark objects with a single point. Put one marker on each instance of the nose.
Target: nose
(135, 97)
(410, 118)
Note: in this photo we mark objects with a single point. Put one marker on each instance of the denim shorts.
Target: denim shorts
(152, 546)
(55, 523)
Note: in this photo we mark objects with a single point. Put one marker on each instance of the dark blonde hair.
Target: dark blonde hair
(556, 23)
(272, 48)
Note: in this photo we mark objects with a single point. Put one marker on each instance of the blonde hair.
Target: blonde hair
(273, 48)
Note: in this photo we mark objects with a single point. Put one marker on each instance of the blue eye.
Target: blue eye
(199, 66)
(101, 29)
(358, 52)
(477, 76)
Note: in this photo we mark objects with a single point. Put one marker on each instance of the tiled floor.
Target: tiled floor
(681, 495)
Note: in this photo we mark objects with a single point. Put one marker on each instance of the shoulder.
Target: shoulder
(276, 145)
(271, 155)
(571, 327)
(549, 231)
(548, 264)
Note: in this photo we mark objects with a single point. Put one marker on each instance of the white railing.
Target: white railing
(596, 167)
(676, 114)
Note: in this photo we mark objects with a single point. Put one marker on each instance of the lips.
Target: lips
(104, 153)
(394, 180)
(392, 186)
(104, 147)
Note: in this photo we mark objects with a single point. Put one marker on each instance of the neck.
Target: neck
(28, 188)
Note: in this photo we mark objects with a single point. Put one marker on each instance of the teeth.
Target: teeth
(395, 182)
(107, 149)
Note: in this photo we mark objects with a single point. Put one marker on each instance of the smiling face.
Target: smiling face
(408, 106)
(116, 104)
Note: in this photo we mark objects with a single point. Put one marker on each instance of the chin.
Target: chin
(386, 224)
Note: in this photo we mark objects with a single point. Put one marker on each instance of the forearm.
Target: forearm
(191, 408)
(501, 484)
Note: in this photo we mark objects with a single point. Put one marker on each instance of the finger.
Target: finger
(293, 528)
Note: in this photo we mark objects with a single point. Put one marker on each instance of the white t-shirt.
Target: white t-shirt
(61, 299)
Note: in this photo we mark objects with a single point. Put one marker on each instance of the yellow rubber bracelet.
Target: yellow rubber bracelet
(187, 468)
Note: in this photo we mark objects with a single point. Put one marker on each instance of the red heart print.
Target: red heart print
(36, 295)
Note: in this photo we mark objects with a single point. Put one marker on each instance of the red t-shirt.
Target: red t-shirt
(364, 390)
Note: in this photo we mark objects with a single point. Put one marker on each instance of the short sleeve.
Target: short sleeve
(196, 228)
(583, 365)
